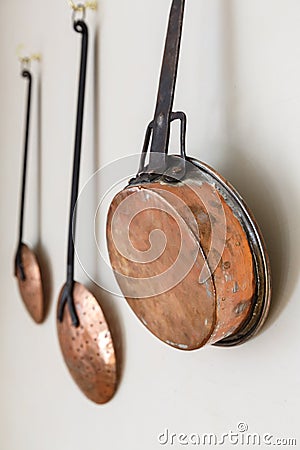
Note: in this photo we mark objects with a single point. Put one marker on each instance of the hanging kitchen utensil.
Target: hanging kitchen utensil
(185, 249)
(83, 332)
(27, 269)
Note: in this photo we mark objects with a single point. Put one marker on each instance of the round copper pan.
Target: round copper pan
(88, 350)
(31, 288)
(201, 216)
(185, 249)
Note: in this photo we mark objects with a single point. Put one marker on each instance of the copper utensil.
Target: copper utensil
(185, 249)
(83, 332)
(27, 269)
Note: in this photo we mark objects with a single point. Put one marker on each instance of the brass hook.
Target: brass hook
(26, 60)
(82, 6)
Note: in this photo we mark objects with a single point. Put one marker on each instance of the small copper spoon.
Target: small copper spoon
(83, 332)
(27, 269)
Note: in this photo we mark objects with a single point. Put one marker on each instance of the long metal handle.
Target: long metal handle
(18, 260)
(166, 90)
(67, 296)
(26, 74)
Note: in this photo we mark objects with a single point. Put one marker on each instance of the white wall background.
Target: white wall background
(240, 86)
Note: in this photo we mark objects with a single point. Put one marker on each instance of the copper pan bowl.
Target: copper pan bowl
(215, 286)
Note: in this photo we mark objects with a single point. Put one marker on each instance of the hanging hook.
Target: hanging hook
(81, 8)
(86, 5)
(26, 60)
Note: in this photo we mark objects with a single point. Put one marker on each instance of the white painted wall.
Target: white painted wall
(239, 83)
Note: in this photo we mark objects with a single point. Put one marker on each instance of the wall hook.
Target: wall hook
(25, 60)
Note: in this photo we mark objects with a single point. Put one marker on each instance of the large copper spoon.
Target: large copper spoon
(27, 269)
(83, 332)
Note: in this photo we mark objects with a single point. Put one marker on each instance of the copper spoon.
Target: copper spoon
(27, 269)
(83, 332)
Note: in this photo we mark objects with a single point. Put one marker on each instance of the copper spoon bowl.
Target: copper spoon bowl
(30, 284)
(88, 349)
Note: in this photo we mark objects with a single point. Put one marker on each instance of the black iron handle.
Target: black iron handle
(67, 294)
(166, 90)
(18, 259)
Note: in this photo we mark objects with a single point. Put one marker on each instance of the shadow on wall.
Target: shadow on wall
(259, 191)
(261, 196)
(42, 255)
(106, 301)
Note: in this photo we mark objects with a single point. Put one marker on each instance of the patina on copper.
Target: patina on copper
(31, 287)
(177, 209)
(88, 350)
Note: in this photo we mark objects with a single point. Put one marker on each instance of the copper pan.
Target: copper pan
(27, 269)
(185, 249)
(83, 333)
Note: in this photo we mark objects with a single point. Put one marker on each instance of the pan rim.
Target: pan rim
(262, 300)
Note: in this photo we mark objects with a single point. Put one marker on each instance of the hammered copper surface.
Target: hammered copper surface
(88, 350)
(191, 314)
(31, 288)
